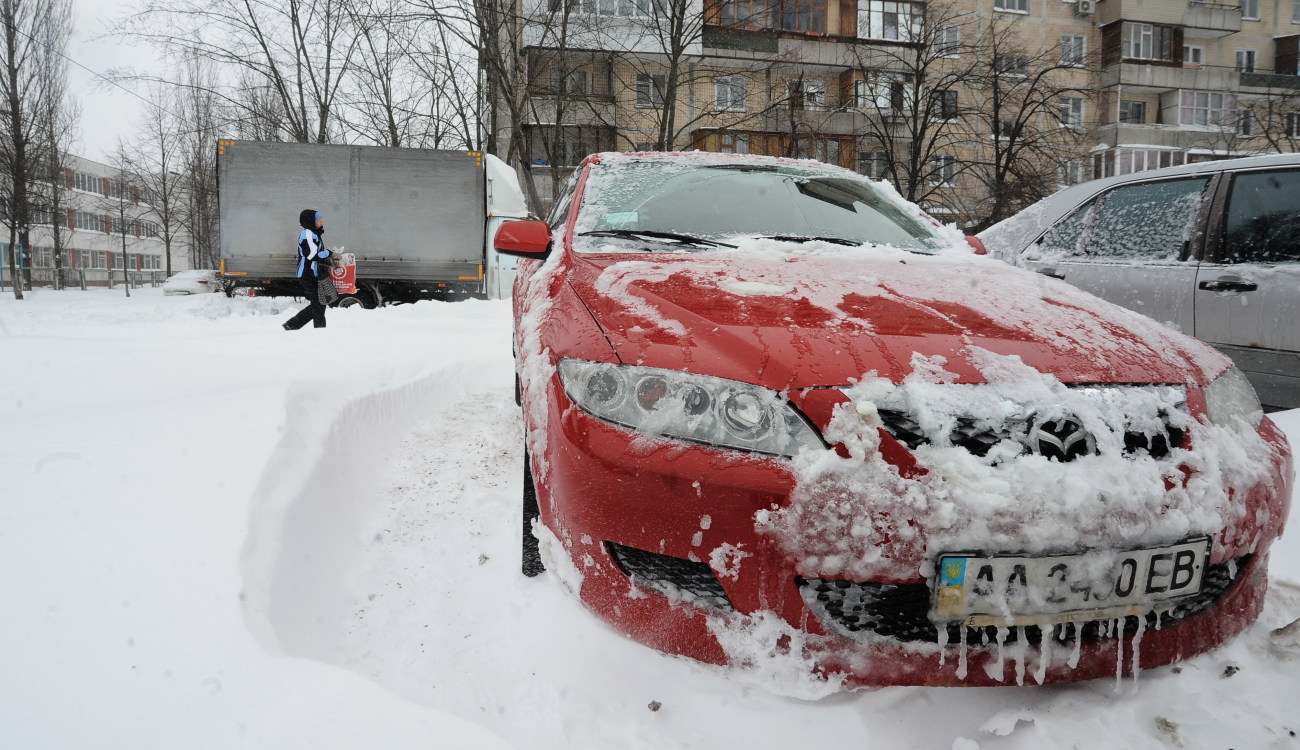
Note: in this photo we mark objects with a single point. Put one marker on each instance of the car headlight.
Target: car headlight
(698, 408)
(1231, 397)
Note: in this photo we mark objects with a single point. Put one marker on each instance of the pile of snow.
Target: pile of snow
(217, 534)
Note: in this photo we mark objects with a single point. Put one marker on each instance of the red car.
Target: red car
(774, 411)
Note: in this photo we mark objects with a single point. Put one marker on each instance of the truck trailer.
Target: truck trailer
(419, 222)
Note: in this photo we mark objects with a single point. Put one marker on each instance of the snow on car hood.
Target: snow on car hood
(822, 317)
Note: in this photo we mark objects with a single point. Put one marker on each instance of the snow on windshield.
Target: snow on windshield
(724, 198)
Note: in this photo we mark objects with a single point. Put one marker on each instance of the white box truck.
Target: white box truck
(419, 222)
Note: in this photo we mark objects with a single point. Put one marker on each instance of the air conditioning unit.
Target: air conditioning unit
(1085, 7)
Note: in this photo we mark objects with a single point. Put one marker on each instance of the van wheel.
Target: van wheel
(531, 564)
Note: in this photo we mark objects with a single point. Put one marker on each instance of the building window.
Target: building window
(947, 105)
(822, 149)
(1070, 111)
(1245, 61)
(1245, 122)
(1295, 11)
(574, 83)
(947, 40)
(807, 93)
(747, 13)
(649, 90)
(1011, 65)
(734, 143)
(1070, 172)
(1194, 54)
(1207, 109)
(943, 170)
(883, 93)
(1291, 124)
(1132, 112)
(804, 15)
(1146, 41)
(1072, 49)
(1017, 6)
(729, 93)
(87, 182)
(1250, 10)
(873, 164)
(893, 21)
(618, 8)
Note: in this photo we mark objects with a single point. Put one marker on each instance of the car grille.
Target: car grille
(902, 611)
(1063, 440)
(674, 577)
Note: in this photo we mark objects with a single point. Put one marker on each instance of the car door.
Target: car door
(1248, 291)
(1134, 245)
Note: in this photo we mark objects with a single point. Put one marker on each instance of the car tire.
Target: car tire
(531, 563)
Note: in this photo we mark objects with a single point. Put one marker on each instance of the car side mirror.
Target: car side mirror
(977, 244)
(525, 239)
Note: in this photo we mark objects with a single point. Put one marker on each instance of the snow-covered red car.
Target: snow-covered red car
(773, 411)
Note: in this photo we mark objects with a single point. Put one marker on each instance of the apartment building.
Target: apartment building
(99, 214)
(955, 101)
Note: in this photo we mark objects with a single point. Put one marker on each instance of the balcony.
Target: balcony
(1140, 78)
(1269, 83)
(1212, 19)
(1198, 18)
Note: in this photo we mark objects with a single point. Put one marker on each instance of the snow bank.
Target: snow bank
(152, 495)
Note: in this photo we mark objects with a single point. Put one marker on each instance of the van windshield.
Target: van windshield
(702, 205)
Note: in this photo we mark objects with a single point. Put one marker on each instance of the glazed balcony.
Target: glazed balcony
(1198, 18)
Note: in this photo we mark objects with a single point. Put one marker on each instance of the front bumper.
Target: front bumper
(687, 514)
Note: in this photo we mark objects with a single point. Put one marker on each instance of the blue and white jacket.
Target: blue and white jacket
(312, 256)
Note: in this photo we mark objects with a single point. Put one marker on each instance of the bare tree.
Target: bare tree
(123, 203)
(292, 57)
(915, 96)
(31, 86)
(155, 160)
(202, 111)
(1023, 113)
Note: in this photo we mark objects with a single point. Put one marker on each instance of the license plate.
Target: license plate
(1024, 590)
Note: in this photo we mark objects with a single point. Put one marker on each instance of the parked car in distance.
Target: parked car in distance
(774, 411)
(1212, 249)
(193, 282)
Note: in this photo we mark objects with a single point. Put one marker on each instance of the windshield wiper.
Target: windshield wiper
(803, 238)
(685, 239)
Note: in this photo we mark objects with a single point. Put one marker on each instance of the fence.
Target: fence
(79, 278)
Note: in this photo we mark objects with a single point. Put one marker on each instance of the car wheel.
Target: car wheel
(532, 564)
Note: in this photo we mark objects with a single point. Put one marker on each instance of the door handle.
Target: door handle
(1224, 285)
(1052, 272)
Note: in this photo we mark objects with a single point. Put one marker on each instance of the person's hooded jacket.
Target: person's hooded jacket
(313, 256)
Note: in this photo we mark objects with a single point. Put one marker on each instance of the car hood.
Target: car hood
(790, 321)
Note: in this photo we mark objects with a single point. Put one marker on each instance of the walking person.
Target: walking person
(313, 265)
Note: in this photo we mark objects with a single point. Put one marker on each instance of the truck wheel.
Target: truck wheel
(532, 564)
(362, 298)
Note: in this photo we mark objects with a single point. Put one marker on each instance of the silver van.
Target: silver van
(1212, 249)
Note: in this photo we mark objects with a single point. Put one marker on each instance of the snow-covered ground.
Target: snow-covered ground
(216, 534)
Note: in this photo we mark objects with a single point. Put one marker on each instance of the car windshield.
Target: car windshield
(699, 205)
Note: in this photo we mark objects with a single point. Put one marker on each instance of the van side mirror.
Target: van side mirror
(977, 244)
(525, 239)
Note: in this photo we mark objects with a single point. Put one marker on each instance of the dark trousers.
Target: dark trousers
(314, 311)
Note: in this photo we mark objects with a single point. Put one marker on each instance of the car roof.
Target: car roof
(1009, 236)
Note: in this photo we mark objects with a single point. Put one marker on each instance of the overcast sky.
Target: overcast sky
(107, 113)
